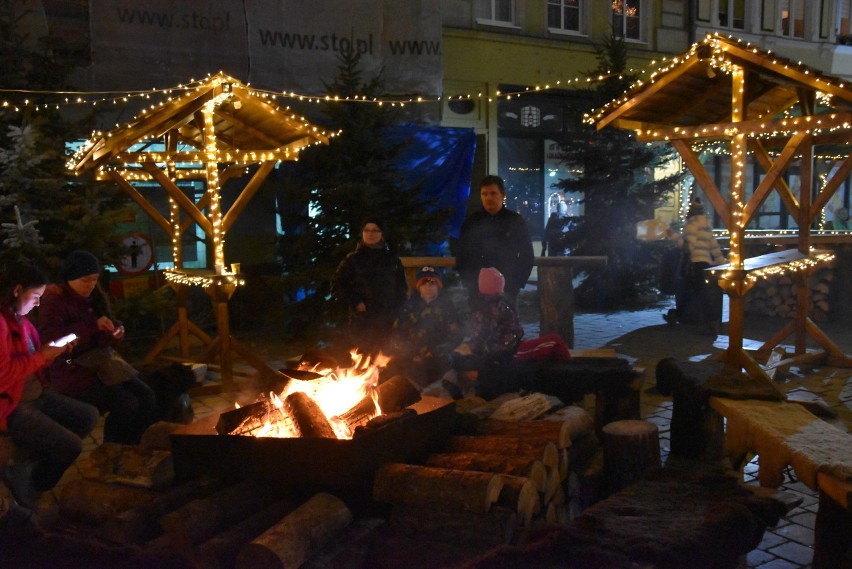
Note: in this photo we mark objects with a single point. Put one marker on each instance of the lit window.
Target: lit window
(792, 14)
(564, 15)
(626, 19)
(732, 14)
(501, 11)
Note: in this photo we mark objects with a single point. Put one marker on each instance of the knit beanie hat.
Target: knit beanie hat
(78, 264)
(374, 219)
(427, 273)
(491, 281)
(695, 208)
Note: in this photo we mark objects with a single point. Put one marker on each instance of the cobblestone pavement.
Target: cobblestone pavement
(643, 338)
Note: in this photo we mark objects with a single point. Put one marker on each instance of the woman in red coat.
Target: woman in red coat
(46, 426)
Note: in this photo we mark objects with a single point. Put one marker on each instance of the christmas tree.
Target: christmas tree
(615, 175)
(333, 188)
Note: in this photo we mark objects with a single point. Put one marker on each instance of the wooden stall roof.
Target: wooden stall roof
(248, 126)
(695, 89)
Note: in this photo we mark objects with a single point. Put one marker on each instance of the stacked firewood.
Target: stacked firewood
(492, 483)
(127, 496)
(777, 296)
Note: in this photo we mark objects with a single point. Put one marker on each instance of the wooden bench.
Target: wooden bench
(786, 434)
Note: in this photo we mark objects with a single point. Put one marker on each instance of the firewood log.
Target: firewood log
(93, 502)
(531, 468)
(350, 548)
(558, 432)
(289, 543)
(519, 494)
(392, 395)
(220, 551)
(547, 452)
(310, 419)
(143, 522)
(202, 518)
(579, 420)
(436, 487)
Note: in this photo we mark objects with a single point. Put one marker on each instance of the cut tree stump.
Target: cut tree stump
(439, 488)
(289, 543)
(631, 451)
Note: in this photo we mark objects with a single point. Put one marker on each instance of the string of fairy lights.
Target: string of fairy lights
(717, 62)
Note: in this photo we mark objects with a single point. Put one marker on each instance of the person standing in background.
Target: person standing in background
(495, 237)
(698, 303)
(370, 281)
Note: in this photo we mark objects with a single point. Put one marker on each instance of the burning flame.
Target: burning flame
(337, 392)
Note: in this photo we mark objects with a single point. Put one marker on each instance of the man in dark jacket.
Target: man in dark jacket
(495, 237)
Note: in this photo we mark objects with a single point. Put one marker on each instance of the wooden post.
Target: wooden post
(556, 301)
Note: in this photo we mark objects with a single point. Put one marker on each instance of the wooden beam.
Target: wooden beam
(773, 174)
(831, 186)
(703, 178)
(248, 192)
(146, 206)
(177, 194)
(650, 91)
(245, 127)
(750, 127)
(155, 122)
(771, 63)
(763, 158)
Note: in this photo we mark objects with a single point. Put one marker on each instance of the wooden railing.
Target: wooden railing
(555, 287)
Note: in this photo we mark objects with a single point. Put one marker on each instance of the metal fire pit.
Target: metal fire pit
(198, 450)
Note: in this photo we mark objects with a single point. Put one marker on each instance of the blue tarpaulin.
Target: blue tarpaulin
(438, 161)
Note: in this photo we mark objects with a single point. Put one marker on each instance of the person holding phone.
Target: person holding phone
(46, 427)
(80, 306)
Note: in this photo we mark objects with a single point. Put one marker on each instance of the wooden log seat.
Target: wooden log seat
(672, 520)
(820, 454)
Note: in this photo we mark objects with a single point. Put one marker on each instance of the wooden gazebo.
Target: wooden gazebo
(725, 90)
(215, 131)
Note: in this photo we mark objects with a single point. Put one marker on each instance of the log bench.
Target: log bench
(783, 434)
(678, 518)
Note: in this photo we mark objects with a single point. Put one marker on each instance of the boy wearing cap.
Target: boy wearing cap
(426, 332)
